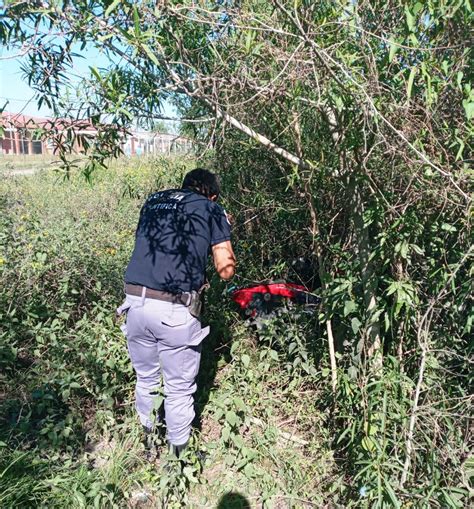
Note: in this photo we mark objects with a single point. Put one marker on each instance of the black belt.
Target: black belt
(177, 298)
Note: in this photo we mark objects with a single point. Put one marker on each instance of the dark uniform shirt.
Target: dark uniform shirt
(175, 232)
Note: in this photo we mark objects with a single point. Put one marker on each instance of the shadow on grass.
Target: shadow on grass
(233, 500)
(215, 347)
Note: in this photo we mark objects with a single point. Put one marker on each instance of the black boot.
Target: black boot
(187, 455)
(152, 441)
(175, 461)
(178, 450)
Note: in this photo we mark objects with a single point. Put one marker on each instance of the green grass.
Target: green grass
(69, 434)
(13, 163)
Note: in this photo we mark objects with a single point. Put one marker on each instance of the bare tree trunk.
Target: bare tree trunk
(414, 412)
(317, 249)
(368, 277)
(369, 281)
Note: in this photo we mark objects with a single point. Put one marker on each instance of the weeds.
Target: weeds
(267, 421)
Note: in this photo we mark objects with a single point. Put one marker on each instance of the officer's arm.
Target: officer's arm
(224, 259)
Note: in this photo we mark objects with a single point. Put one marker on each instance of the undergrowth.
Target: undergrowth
(269, 428)
(69, 434)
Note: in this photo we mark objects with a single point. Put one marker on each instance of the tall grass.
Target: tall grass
(268, 421)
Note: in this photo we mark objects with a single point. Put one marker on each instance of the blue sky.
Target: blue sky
(15, 90)
(14, 87)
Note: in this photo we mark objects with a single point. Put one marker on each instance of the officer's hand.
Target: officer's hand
(230, 218)
(224, 259)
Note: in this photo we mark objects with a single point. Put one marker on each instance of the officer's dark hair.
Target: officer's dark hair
(203, 182)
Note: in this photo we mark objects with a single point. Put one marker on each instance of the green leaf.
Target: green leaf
(448, 227)
(352, 372)
(339, 103)
(237, 440)
(225, 434)
(249, 470)
(411, 78)
(245, 360)
(461, 149)
(232, 418)
(404, 249)
(229, 459)
(136, 21)
(112, 7)
(417, 8)
(124, 33)
(126, 113)
(239, 403)
(410, 19)
(368, 444)
(105, 37)
(190, 473)
(349, 307)
(391, 494)
(249, 38)
(468, 108)
(393, 49)
(355, 324)
(158, 401)
(414, 41)
(417, 249)
(372, 429)
(218, 414)
(150, 54)
(394, 286)
(96, 73)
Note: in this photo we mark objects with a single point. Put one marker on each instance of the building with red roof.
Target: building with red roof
(24, 134)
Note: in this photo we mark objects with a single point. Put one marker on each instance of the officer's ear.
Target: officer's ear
(213, 197)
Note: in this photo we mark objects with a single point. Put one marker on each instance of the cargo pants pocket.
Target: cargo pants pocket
(177, 316)
(120, 311)
(191, 361)
(192, 355)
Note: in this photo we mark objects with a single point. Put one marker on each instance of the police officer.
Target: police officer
(177, 230)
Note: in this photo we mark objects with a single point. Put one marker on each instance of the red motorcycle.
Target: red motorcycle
(263, 298)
